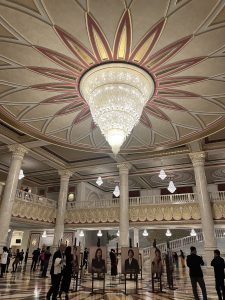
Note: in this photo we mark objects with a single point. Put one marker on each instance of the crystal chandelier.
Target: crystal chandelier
(44, 235)
(116, 94)
(21, 174)
(171, 187)
(116, 191)
(193, 232)
(162, 174)
(99, 181)
(168, 232)
(118, 233)
(145, 233)
(99, 233)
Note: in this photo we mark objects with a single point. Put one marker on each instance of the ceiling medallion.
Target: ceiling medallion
(116, 94)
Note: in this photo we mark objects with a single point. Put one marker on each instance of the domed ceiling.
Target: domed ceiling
(46, 47)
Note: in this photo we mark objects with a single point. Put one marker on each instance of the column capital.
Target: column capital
(65, 174)
(18, 151)
(197, 158)
(123, 168)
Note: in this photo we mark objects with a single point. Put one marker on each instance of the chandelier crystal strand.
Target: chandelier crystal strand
(116, 94)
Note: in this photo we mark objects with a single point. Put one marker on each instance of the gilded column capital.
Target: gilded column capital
(18, 151)
(123, 168)
(197, 158)
(65, 174)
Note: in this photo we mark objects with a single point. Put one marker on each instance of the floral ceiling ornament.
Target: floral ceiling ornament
(121, 52)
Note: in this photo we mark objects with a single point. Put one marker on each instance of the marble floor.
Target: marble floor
(26, 285)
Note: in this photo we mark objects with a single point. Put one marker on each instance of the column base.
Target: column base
(208, 255)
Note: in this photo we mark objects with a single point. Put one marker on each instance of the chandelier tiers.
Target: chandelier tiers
(116, 94)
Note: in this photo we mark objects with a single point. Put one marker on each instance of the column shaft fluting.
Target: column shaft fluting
(61, 207)
(124, 205)
(8, 198)
(198, 159)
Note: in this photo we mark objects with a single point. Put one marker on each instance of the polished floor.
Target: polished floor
(26, 285)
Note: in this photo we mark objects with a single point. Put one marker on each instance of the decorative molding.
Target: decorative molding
(123, 168)
(18, 151)
(197, 158)
(65, 174)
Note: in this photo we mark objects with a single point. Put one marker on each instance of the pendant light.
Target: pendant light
(193, 232)
(162, 174)
(116, 191)
(99, 233)
(99, 181)
(145, 233)
(168, 233)
(171, 187)
(81, 233)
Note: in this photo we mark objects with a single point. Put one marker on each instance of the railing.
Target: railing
(29, 197)
(178, 244)
(134, 201)
(217, 196)
(145, 200)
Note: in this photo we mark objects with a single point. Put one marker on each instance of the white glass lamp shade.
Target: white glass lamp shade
(81, 233)
(168, 233)
(44, 235)
(118, 233)
(21, 174)
(116, 94)
(99, 233)
(116, 191)
(145, 233)
(99, 181)
(193, 232)
(171, 188)
(162, 174)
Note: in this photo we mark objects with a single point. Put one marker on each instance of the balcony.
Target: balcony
(176, 208)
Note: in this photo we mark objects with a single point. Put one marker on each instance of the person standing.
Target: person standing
(194, 262)
(46, 261)
(113, 259)
(16, 261)
(175, 257)
(21, 256)
(218, 264)
(67, 273)
(85, 258)
(8, 259)
(4, 261)
(56, 272)
(26, 256)
(182, 259)
(36, 254)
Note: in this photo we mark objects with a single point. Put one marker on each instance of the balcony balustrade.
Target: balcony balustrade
(156, 209)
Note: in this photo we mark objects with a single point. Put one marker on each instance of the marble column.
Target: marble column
(198, 161)
(136, 237)
(61, 207)
(124, 205)
(18, 152)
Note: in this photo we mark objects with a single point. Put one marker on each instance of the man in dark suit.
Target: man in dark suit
(131, 263)
(56, 272)
(194, 262)
(218, 264)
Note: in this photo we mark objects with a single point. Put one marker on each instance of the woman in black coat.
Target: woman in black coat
(67, 273)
